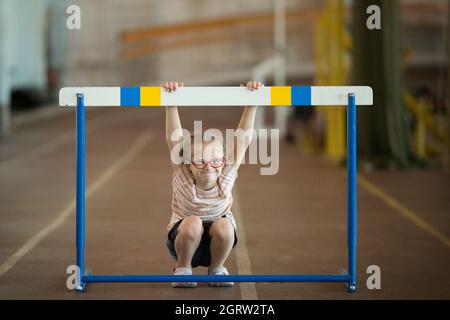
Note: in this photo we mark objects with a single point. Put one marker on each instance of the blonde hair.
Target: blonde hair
(203, 141)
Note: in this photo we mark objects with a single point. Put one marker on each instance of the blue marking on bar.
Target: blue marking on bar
(301, 96)
(130, 96)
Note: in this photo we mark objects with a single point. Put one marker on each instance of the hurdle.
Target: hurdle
(300, 96)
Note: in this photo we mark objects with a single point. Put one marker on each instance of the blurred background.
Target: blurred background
(295, 221)
(218, 42)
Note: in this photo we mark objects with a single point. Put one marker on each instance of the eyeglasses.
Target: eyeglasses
(215, 163)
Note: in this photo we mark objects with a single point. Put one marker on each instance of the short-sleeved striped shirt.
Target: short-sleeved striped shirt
(209, 205)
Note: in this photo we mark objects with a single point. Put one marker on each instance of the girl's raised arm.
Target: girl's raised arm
(244, 133)
(174, 131)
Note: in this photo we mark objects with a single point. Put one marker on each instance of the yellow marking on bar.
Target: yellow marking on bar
(150, 96)
(280, 96)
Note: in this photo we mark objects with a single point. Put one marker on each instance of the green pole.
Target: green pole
(383, 133)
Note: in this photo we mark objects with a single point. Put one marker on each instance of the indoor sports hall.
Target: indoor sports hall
(343, 193)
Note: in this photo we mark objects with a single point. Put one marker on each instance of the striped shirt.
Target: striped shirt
(209, 205)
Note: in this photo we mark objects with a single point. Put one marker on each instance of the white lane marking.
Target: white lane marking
(248, 289)
(127, 157)
(43, 113)
(64, 138)
(403, 210)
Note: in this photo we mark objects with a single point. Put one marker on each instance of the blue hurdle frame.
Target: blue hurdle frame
(348, 278)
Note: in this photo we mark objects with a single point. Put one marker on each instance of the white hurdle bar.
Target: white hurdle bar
(215, 96)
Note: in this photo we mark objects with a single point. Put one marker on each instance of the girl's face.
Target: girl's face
(207, 164)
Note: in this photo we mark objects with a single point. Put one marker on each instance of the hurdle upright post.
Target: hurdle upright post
(80, 192)
(351, 190)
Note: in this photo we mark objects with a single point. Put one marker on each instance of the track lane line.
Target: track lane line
(403, 210)
(129, 155)
(62, 139)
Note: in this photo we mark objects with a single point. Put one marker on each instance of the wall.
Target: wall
(94, 52)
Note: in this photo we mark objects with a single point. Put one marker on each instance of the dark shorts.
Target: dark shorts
(202, 256)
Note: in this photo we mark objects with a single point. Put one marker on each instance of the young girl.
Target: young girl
(202, 230)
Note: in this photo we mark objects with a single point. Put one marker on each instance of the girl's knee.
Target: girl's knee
(222, 229)
(191, 228)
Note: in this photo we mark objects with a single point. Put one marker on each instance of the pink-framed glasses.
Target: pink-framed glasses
(215, 163)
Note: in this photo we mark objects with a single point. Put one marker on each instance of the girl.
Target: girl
(202, 230)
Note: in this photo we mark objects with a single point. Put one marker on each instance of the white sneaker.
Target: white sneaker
(219, 271)
(183, 272)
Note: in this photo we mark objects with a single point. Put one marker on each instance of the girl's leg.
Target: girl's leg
(222, 239)
(188, 238)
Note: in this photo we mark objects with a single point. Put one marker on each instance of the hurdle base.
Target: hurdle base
(216, 278)
(351, 287)
(90, 278)
(80, 288)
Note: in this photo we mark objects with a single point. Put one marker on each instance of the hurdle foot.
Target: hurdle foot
(81, 288)
(351, 287)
